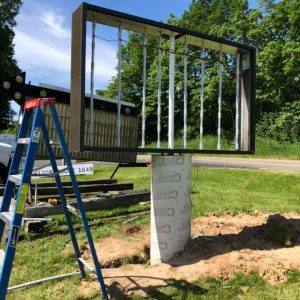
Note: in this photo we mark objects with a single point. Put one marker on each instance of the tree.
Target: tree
(221, 18)
(278, 60)
(8, 66)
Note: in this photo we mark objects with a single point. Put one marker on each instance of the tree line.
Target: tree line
(8, 65)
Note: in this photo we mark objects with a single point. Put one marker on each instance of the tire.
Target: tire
(3, 174)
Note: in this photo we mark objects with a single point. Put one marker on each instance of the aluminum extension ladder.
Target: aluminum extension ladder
(34, 114)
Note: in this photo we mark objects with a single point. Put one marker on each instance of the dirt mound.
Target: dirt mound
(131, 229)
(220, 247)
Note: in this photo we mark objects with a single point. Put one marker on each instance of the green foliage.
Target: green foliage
(11, 129)
(270, 148)
(283, 125)
(8, 65)
(293, 276)
(222, 18)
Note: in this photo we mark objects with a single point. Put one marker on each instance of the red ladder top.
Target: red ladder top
(39, 102)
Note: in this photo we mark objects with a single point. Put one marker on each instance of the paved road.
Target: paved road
(240, 163)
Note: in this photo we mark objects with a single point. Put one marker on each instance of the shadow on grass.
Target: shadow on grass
(155, 291)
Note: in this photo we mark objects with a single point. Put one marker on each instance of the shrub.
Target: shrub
(283, 125)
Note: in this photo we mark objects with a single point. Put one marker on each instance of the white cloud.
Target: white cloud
(55, 24)
(37, 54)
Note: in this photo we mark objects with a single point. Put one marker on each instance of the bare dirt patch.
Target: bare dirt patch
(220, 247)
(131, 247)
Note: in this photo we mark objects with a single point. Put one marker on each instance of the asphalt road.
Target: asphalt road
(240, 163)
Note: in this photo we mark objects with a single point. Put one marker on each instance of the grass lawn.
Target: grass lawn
(265, 147)
(213, 191)
(250, 287)
(220, 190)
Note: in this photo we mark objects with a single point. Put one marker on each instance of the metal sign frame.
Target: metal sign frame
(91, 13)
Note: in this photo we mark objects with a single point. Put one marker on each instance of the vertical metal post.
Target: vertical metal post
(220, 99)
(247, 96)
(118, 136)
(78, 88)
(144, 90)
(237, 103)
(185, 95)
(159, 92)
(171, 91)
(202, 97)
(91, 136)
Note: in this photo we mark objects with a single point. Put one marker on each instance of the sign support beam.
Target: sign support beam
(171, 91)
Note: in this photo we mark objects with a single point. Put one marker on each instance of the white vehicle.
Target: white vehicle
(6, 153)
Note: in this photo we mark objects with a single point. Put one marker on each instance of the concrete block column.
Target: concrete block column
(170, 206)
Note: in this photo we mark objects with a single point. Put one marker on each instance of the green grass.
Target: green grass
(244, 191)
(265, 147)
(220, 190)
(214, 191)
(209, 142)
(139, 176)
(268, 148)
(245, 287)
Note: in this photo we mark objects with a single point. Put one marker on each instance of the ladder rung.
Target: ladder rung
(87, 265)
(74, 210)
(15, 178)
(24, 140)
(1, 256)
(7, 217)
(55, 143)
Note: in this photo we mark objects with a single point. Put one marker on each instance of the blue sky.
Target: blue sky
(43, 36)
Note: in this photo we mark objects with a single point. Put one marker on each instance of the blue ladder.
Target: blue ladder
(13, 218)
